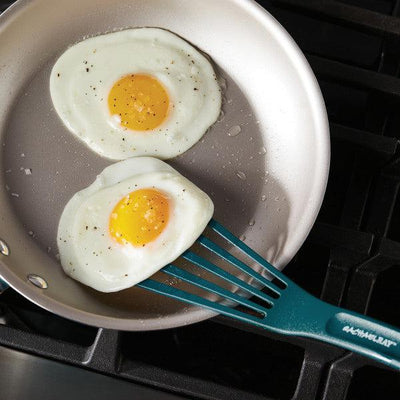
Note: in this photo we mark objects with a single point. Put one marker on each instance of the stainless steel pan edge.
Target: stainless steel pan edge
(277, 239)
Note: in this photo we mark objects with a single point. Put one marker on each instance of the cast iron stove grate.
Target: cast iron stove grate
(351, 258)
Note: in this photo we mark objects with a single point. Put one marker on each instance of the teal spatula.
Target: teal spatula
(289, 309)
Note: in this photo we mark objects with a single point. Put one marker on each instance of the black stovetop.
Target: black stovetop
(351, 258)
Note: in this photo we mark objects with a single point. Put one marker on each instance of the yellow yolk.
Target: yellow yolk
(140, 101)
(140, 217)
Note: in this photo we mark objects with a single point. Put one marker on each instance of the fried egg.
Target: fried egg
(137, 92)
(139, 215)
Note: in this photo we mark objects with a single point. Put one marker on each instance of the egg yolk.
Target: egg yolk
(140, 217)
(140, 101)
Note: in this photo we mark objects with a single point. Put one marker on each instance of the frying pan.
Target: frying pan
(267, 181)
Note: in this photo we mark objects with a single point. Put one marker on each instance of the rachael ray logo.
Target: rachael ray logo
(370, 336)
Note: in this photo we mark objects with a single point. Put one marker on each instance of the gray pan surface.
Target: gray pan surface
(267, 182)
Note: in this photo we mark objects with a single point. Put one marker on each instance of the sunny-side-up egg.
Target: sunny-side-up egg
(139, 215)
(137, 92)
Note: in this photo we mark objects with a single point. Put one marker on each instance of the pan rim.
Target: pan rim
(317, 193)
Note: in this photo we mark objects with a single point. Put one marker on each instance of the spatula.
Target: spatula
(288, 310)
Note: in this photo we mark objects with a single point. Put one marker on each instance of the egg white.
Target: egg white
(90, 255)
(83, 76)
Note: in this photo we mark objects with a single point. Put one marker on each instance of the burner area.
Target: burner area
(351, 258)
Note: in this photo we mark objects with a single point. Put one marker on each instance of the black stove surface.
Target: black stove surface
(351, 258)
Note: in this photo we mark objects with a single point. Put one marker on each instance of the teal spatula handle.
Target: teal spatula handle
(358, 333)
(366, 333)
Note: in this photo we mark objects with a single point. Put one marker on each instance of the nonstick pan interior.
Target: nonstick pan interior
(253, 176)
